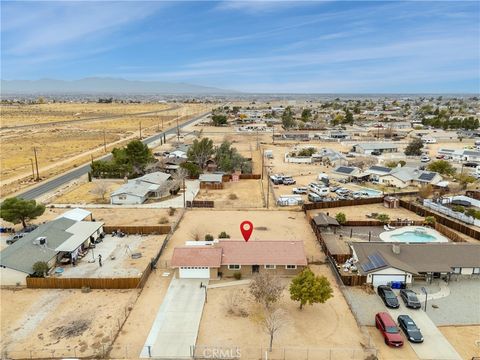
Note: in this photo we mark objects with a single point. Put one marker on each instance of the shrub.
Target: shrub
(40, 268)
(223, 235)
(341, 218)
(458, 208)
(430, 220)
(208, 237)
(384, 218)
(172, 211)
(237, 275)
(163, 220)
(233, 197)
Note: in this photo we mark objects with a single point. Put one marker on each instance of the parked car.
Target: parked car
(300, 190)
(411, 330)
(14, 238)
(389, 330)
(470, 164)
(29, 228)
(288, 181)
(376, 153)
(424, 159)
(410, 299)
(388, 296)
(440, 156)
(314, 197)
(277, 179)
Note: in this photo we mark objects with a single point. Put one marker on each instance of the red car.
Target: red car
(389, 330)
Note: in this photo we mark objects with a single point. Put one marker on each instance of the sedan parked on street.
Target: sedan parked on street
(410, 299)
(389, 330)
(412, 332)
(388, 296)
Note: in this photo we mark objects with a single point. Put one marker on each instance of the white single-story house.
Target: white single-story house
(402, 177)
(76, 214)
(368, 148)
(384, 262)
(50, 242)
(138, 190)
(348, 173)
(461, 154)
(227, 257)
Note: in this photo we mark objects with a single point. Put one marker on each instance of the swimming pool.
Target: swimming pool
(371, 192)
(413, 234)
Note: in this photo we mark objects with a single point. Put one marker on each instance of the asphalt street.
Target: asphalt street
(49, 185)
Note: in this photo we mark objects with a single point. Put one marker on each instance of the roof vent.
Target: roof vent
(42, 240)
(396, 249)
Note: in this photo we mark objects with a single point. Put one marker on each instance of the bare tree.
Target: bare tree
(233, 303)
(179, 177)
(100, 189)
(266, 289)
(363, 161)
(273, 322)
(158, 165)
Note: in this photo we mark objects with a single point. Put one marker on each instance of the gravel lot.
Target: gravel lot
(364, 306)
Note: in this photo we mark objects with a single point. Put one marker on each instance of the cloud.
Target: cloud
(259, 7)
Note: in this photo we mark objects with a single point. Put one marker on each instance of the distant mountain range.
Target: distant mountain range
(104, 85)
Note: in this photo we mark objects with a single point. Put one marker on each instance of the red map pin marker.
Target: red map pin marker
(246, 228)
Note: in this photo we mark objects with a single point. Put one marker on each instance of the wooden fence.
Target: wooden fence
(441, 219)
(449, 233)
(78, 283)
(340, 203)
(353, 280)
(474, 194)
(132, 230)
(379, 223)
(200, 204)
(211, 186)
(228, 177)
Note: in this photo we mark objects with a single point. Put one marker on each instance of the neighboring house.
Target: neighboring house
(461, 155)
(349, 173)
(227, 257)
(50, 242)
(138, 190)
(368, 148)
(386, 262)
(376, 172)
(76, 214)
(402, 177)
(210, 180)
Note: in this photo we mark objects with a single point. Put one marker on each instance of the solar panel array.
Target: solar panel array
(427, 176)
(375, 261)
(380, 168)
(344, 169)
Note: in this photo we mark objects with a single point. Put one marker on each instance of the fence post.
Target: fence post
(149, 351)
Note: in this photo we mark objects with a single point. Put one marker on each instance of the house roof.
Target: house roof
(210, 256)
(419, 258)
(427, 176)
(75, 214)
(239, 252)
(377, 146)
(322, 219)
(141, 186)
(262, 252)
(81, 231)
(406, 174)
(211, 177)
(156, 177)
(375, 169)
(22, 254)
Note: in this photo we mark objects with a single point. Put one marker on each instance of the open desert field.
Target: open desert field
(63, 146)
(241, 194)
(61, 323)
(465, 339)
(318, 328)
(89, 192)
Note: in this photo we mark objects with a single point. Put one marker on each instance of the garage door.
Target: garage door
(194, 272)
(385, 279)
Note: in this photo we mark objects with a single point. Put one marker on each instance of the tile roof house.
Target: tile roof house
(49, 242)
(384, 262)
(138, 190)
(226, 257)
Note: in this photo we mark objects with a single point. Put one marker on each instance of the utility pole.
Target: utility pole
(36, 163)
(273, 134)
(104, 141)
(263, 162)
(140, 125)
(184, 191)
(33, 170)
(268, 190)
(178, 131)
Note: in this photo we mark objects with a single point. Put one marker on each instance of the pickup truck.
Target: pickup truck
(12, 239)
(300, 190)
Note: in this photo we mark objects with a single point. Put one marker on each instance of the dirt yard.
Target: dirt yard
(90, 193)
(465, 339)
(241, 194)
(338, 327)
(61, 322)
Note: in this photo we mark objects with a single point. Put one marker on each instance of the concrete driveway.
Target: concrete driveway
(175, 328)
(435, 345)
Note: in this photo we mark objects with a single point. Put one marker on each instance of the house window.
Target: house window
(290, 267)
(457, 270)
(271, 267)
(122, 197)
(476, 270)
(234, 267)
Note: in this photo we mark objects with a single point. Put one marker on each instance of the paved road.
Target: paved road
(50, 185)
(435, 345)
(175, 328)
(89, 119)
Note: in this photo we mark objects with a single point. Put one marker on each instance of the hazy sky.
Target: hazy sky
(330, 46)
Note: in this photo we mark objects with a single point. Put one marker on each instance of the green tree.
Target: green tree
(338, 119)
(442, 167)
(223, 235)
(464, 179)
(201, 151)
(40, 268)
(16, 210)
(429, 220)
(341, 218)
(228, 159)
(309, 288)
(192, 169)
(414, 148)
(348, 117)
(287, 118)
(306, 115)
(138, 156)
(219, 119)
(384, 218)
